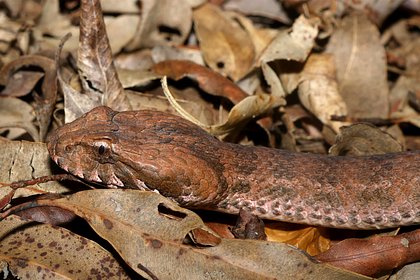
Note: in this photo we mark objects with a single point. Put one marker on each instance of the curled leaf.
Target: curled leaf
(208, 80)
(95, 63)
(148, 230)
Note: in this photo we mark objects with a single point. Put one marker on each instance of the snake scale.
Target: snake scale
(153, 150)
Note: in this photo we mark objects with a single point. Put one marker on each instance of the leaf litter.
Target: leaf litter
(302, 77)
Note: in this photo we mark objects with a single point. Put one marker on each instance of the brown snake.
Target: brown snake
(158, 151)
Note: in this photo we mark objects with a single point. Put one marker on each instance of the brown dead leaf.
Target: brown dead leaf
(318, 90)
(138, 60)
(261, 37)
(121, 29)
(162, 53)
(408, 82)
(115, 7)
(47, 215)
(364, 139)
(294, 44)
(377, 11)
(376, 255)
(35, 251)
(264, 8)
(148, 230)
(163, 22)
(208, 80)
(361, 67)
(17, 117)
(52, 26)
(247, 109)
(226, 46)
(21, 83)
(285, 52)
(75, 103)
(23, 160)
(95, 63)
(45, 101)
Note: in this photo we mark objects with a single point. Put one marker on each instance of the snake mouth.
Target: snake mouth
(111, 181)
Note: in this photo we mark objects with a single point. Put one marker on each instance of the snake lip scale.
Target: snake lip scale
(153, 150)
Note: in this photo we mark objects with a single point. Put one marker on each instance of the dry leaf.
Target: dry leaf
(38, 251)
(52, 26)
(121, 30)
(44, 101)
(76, 104)
(18, 117)
(408, 82)
(225, 45)
(139, 60)
(157, 28)
(376, 255)
(264, 8)
(364, 139)
(247, 109)
(20, 83)
(23, 160)
(148, 230)
(95, 63)
(208, 80)
(294, 44)
(261, 37)
(162, 53)
(361, 67)
(318, 90)
(126, 6)
(312, 240)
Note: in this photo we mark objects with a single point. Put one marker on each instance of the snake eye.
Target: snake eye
(101, 149)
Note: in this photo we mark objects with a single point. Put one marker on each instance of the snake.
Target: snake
(157, 151)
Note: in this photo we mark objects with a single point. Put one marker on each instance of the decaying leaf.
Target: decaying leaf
(23, 160)
(114, 26)
(148, 230)
(164, 53)
(364, 139)
(95, 64)
(291, 46)
(274, 57)
(226, 47)
(361, 67)
(208, 80)
(45, 101)
(163, 22)
(53, 26)
(266, 8)
(76, 104)
(21, 83)
(294, 44)
(35, 251)
(318, 90)
(407, 55)
(17, 117)
(249, 108)
(376, 255)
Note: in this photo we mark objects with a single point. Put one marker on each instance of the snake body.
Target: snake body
(157, 151)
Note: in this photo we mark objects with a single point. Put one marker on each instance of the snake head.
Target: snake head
(84, 147)
(141, 149)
